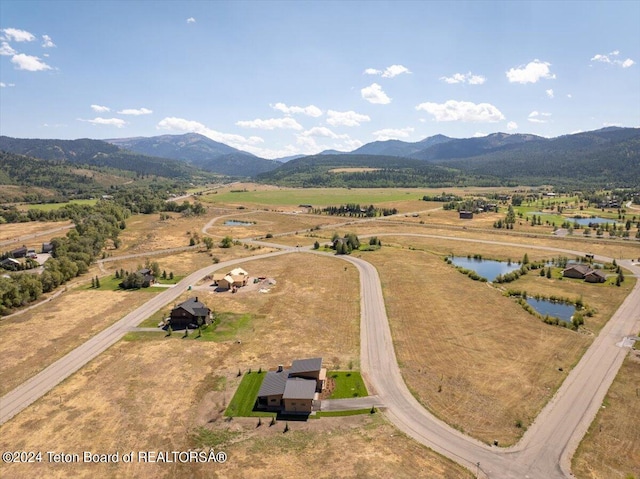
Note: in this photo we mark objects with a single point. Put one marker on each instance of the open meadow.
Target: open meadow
(12, 232)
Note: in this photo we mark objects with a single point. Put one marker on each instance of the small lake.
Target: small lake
(486, 268)
(555, 310)
(237, 223)
(595, 221)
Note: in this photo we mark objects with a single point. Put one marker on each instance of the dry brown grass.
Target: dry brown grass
(152, 393)
(611, 448)
(11, 231)
(472, 356)
(150, 396)
(36, 338)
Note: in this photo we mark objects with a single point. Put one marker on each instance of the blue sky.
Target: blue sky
(285, 78)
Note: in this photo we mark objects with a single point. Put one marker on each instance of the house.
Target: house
(466, 215)
(47, 247)
(583, 271)
(595, 276)
(186, 314)
(10, 263)
(147, 277)
(293, 390)
(20, 252)
(236, 278)
(576, 271)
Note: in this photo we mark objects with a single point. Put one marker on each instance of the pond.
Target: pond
(238, 223)
(594, 221)
(555, 310)
(486, 268)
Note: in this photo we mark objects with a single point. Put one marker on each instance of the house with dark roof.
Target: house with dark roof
(186, 314)
(293, 390)
(10, 263)
(19, 252)
(586, 272)
(47, 247)
(147, 277)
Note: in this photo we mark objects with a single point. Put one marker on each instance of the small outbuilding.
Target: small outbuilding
(466, 215)
(20, 252)
(47, 247)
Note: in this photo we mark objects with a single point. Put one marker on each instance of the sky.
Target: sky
(288, 78)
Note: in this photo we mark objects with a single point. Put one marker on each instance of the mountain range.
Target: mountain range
(611, 155)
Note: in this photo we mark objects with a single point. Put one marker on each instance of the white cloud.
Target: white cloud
(607, 124)
(47, 42)
(389, 72)
(5, 85)
(538, 117)
(236, 141)
(549, 92)
(612, 58)
(6, 50)
(310, 110)
(323, 132)
(138, 112)
(346, 118)
(453, 110)
(569, 95)
(374, 94)
(531, 73)
(479, 134)
(117, 122)
(271, 124)
(100, 109)
(469, 78)
(191, 20)
(512, 125)
(392, 133)
(29, 63)
(18, 35)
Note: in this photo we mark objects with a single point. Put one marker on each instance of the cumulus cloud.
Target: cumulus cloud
(469, 78)
(29, 63)
(100, 108)
(6, 50)
(538, 117)
(479, 134)
(47, 42)
(271, 124)
(136, 112)
(531, 73)
(389, 72)
(117, 122)
(392, 133)
(191, 20)
(346, 118)
(613, 59)
(236, 141)
(17, 35)
(374, 94)
(5, 85)
(453, 110)
(323, 132)
(310, 110)
(512, 125)
(308, 141)
(549, 92)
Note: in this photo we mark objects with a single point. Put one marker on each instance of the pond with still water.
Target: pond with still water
(545, 307)
(237, 223)
(487, 268)
(593, 221)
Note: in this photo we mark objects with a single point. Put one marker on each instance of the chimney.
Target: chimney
(280, 368)
(196, 299)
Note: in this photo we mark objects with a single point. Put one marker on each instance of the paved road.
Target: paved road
(350, 404)
(544, 451)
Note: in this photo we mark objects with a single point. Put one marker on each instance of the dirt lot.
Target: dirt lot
(611, 448)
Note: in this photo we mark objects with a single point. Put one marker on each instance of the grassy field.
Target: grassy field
(57, 206)
(245, 397)
(348, 384)
(11, 231)
(611, 447)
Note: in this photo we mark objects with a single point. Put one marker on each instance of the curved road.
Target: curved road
(544, 451)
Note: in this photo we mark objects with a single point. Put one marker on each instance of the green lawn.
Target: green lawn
(245, 397)
(57, 206)
(225, 327)
(355, 412)
(349, 384)
(318, 196)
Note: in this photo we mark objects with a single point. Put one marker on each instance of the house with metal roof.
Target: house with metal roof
(293, 390)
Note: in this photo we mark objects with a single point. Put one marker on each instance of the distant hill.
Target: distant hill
(400, 148)
(199, 151)
(96, 153)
